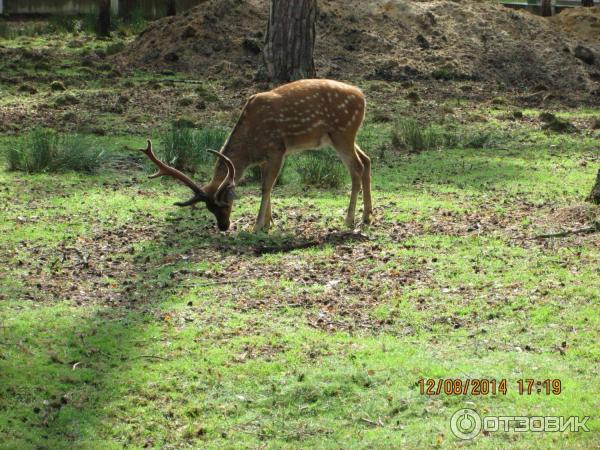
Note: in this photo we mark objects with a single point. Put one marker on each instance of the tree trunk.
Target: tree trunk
(587, 2)
(126, 8)
(546, 8)
(104, 17)
(594, 196)
(290, 40)
(171, 9)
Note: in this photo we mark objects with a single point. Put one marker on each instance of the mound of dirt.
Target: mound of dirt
(390, 40)
(582, 22)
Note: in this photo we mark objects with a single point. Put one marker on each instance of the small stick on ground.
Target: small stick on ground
(150, 357)
(587, 230)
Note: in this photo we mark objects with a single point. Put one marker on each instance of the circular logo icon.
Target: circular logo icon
(465, 424)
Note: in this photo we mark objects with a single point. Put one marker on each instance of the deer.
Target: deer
(302, 115)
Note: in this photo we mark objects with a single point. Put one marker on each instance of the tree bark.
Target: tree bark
(594, 196)
(290, 40)
(171, 8)
(588, 3)
(104, 17)
(546, 8)
(126, 8)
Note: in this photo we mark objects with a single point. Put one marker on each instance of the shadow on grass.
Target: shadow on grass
(64, 367)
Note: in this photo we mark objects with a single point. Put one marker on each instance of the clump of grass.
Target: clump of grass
(320, 168)
(409, 135)
(186, 148)
(254, 175)
(65, 100)
(57, 86)
(412, 137)
(44, 150)
(186, 101)
(27, 88)
(114, 48)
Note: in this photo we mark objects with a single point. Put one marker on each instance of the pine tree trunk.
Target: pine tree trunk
(126, 9)
(171, 8)
(594, 196)
(290, 40)
(587, 2)
(546, 8)
(104, 18)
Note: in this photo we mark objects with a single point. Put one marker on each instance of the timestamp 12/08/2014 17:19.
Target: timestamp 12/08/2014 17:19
(485, 386)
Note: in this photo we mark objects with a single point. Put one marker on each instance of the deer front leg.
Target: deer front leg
(270, 172)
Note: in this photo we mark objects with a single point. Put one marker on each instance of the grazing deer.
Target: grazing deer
(302, 115)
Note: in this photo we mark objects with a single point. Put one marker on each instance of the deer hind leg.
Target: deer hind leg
(269, 173)
(366, 185)
(347, 151)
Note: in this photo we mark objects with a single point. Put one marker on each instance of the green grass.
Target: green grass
(44, 150)
(187, 148)
(127, 323)
(320, 168)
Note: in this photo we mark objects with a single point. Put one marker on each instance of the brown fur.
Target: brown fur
(298, 116)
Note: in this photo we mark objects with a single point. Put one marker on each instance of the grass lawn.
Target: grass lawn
(128, 323)
(125, 322)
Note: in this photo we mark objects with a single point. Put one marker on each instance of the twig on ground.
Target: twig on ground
(377, 423)
(216, 283)
(587, 230)
(150, 357)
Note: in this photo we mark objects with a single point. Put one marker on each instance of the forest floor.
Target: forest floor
(125, 322)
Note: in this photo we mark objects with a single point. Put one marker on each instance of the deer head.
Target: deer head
(218, 202)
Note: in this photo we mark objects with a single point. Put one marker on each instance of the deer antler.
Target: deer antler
(165, 170)
(230, 178)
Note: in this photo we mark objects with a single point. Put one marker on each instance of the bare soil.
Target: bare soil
(391, 40)
(582, 22)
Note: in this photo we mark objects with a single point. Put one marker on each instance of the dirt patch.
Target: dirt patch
(339, 291)
(391, 40)
(581, 22)
(95, 269)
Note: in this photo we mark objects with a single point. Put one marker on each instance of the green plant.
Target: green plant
(442, 74)
(115, 47)
(474, 138)
(186, 148)
(57, 86)
(253, 174)
(320, 168)
(44, 150)
(66, 99)
(408, 134)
